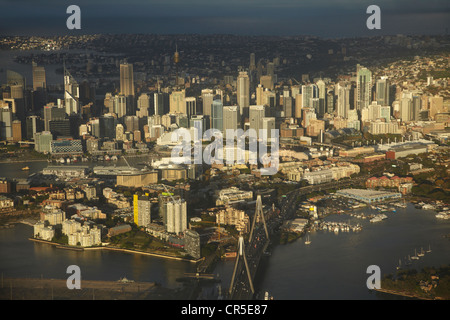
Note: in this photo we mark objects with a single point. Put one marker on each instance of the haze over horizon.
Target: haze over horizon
(325, 18)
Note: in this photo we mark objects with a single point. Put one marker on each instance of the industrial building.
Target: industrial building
(368, 196)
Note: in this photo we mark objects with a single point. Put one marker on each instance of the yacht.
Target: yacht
(399, 264)
(421, 253)
(415, 257)
(307, 241)
(408, 262)
(429, 249)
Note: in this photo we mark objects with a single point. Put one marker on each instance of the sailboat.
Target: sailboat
(408, 262)
(429, 249)
(307, 241)
(399, 264)
(415, 257)
(421, 253)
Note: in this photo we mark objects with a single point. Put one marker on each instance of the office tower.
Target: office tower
(107, 126)
(127, 87)
(217, 115)
(382, 91)
(298, 106)
(178, 102)
(60, 128)
(406, 109)
(260, 95)
(243, 90)
(120, 131)
(5, 123)
(231, 118)
(330, 102)
(16, 130)
(120, 105)
(269, 99)
(176, 216)
(267, 82)
(126, 79)
(191, 106)
(416, 107)
(34, 124)
(271, 69)
(322, 95)
(252, 61)
(315, 104)
(268, 124)
(343, 100)
(288, 107)
(71, 93)
(161, 103)
(363, 87)
(436, 106)
(295, 90)
(309, 91)
(308, 114)
(256, 115)
(131, 123)
(143, 105)
(198, 124)
(42, 142)
(39, 81)
(207, 100)
(52, 112)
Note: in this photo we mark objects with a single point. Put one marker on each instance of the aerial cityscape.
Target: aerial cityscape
(178, 164)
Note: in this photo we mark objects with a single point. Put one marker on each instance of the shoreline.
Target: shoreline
(403, 294)
(66, 247)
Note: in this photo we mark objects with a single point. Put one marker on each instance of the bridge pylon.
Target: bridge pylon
(241, 255)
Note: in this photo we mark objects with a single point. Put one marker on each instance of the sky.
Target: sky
(322, 18)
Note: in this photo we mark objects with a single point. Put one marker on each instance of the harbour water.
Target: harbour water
(333, 266)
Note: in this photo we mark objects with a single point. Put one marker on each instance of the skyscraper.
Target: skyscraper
(363, 87)
(126, 79)
(382, 91)
(217, 115)
(176, 212)
(231, 118)
(178, 102)
(243, 90)
(142, 210)
(256, 115)
(71, 93)
(39, 81)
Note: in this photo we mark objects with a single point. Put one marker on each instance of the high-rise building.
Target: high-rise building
(39, 81)
(363, 87)
(126, 79)
(256, 115)
(191, 106)
(42, 142)
(243, 90)
(192, 243)
(176, 216)
(231, 118)
(71, 93)
(309, 91)
(217, 115)
(382, 91)
(178, 102)
(143, 105)
(142, 207)
(207, 100)
(268, 124)
(343, 100)
(34, 124)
